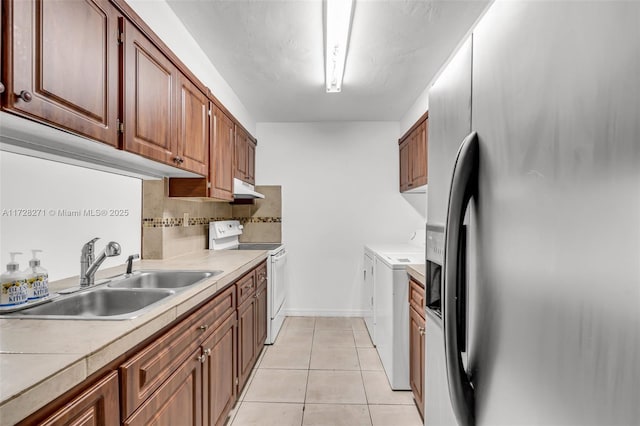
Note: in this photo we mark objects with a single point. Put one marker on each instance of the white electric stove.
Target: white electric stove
(224, 235)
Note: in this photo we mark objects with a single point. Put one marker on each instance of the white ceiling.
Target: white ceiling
(271, 53)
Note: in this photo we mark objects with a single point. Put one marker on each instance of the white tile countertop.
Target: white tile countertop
(41, 359)
(417, 272)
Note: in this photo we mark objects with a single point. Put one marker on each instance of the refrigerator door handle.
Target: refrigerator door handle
(463, 187)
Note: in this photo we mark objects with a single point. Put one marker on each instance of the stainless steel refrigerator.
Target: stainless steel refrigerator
(533, 245)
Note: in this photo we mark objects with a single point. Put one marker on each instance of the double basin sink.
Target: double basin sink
(122, 297)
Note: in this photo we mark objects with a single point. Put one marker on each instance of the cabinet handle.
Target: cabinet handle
(203, 327)
(1, 87)
(25, 96)
(178, 160)
(421, 330)
(207, 352)
(201, 358)
(248, 286)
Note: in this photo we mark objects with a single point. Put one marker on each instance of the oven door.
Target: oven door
(277, 294)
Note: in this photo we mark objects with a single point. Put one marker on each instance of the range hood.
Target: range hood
(244, 190)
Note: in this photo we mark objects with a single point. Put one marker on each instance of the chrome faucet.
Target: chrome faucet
(89, 266)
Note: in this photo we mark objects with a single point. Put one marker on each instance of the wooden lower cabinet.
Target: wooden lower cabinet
(416, 343)
(252, 320)
(178, 401)
(246, 340)
(191, 374)
(416, 357)
(98, 406)
(261, 316)
(219, 375)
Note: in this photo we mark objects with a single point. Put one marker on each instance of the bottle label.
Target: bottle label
(38, 286)
(13, 293)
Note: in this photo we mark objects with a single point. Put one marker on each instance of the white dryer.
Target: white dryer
(388, 321)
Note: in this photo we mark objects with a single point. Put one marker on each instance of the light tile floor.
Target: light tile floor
(322, 372)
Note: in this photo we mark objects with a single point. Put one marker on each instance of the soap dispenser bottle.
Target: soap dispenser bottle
(13, 290)
(37, 278)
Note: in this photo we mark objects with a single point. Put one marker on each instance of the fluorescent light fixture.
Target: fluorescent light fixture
(337, 28)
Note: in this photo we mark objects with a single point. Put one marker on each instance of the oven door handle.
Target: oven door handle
(463, 187)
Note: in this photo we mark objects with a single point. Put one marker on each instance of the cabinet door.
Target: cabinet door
(246, 340)
(221, 160)
(241, 154)
(149, 92)
(98, 405)
(219, 384)
(404, 165)
(416, 357)
(193, 127)
(63, 65)
(251, 162)
(261, 317)
(178, 401)
(419, 156)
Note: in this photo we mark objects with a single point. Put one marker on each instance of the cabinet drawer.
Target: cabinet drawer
(215, 312)
(145, 372)
(261, 274)
(246, 287)
(416, 296)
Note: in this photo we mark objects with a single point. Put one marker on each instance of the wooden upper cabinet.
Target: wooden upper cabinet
(413, 155)
(193, 127)
(419, 155)
(221, 160)
(222, 147)
(98, 405)
(245, 156)
(404, 166)
(149, 98)
(62, 65)
(240, 154)
(251, 161)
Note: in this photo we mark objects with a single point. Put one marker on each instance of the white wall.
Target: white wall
(419, 107)
(47, 187)
(339, 192)
(164, 22)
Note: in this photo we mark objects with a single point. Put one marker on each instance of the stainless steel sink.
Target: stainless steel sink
(161, 279)
(122, 297)
(98, 303)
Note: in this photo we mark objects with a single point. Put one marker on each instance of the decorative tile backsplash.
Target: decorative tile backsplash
(169, 222)
(163, 233)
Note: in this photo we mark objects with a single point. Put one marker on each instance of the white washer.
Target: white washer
(391, 308)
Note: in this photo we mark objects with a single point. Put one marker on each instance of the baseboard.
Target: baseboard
(325, 313)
